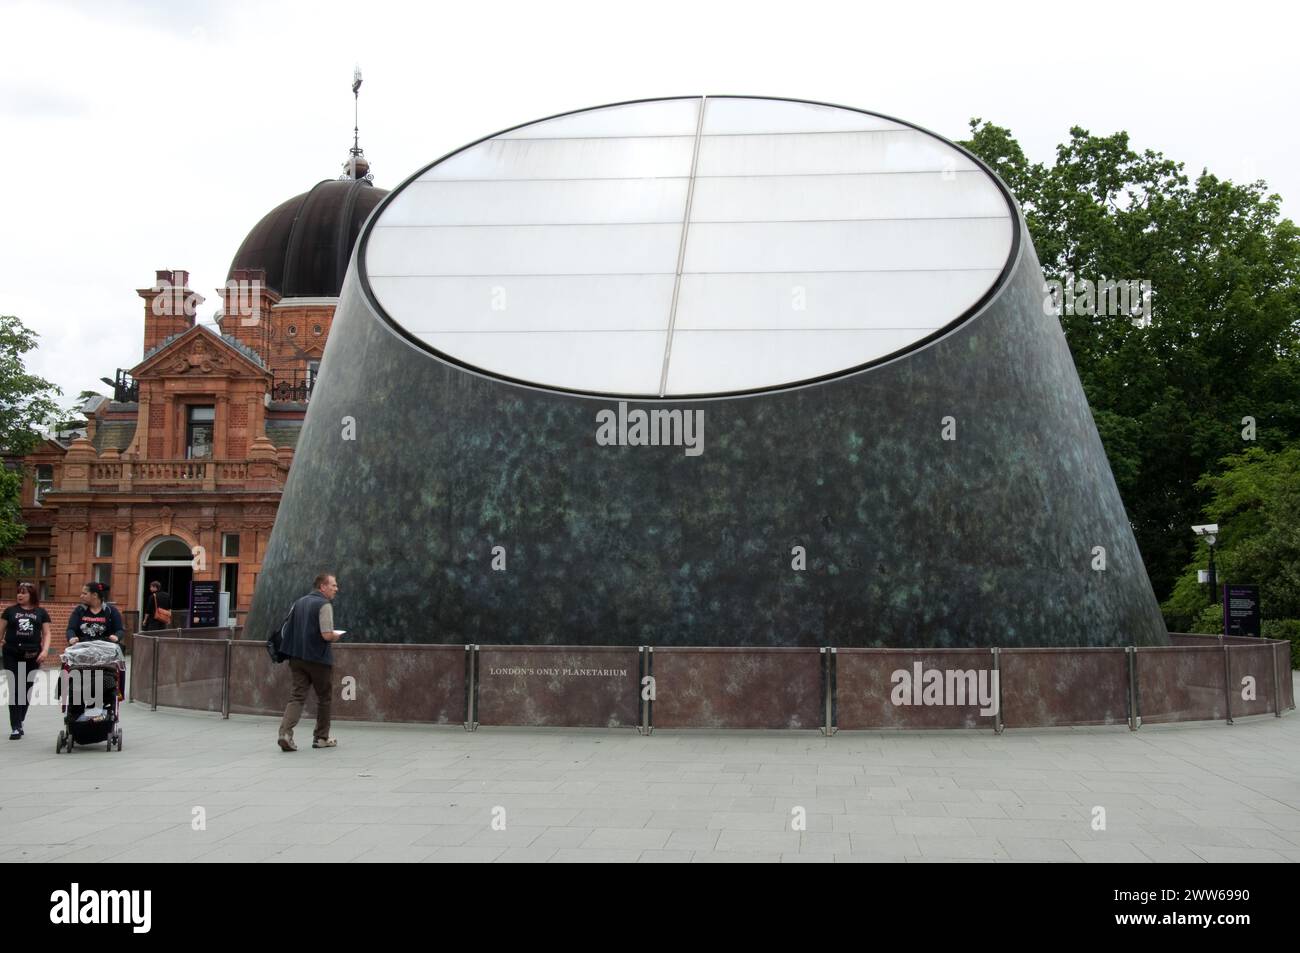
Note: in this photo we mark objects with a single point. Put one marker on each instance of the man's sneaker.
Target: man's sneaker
(286, 744)
(15, 734)
(325, 743)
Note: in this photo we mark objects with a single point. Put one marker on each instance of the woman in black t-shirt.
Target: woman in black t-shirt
(95, 619)
(25, 630)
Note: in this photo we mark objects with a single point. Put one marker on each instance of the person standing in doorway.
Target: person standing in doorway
(158, 608)
(307, 643)
(25, 631)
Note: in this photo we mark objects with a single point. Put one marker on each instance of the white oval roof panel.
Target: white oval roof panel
(689, 247)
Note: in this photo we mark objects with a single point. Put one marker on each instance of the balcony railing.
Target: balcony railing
(171, 471)
(292, 387)
(201, 474)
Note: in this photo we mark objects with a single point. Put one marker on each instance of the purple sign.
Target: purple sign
(1240, 610)
(203, 604)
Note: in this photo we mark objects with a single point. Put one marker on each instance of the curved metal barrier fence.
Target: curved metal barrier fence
(1195, 678)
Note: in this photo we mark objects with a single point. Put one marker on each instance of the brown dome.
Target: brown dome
(304, 244)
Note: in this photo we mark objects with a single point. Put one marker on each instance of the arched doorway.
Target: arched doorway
(168, 561)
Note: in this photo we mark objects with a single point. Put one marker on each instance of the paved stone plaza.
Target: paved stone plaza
(1202, 792)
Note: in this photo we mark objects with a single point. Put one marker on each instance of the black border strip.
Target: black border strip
(1013, 255)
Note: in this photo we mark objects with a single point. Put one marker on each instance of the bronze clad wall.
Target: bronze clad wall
(191, 673)
(1253, 662)
(257, 686)
(423, 684)
(208, 632)
(625, 545)
(1181, 683)
(738, 688)
(883, 688)
(1188, 638)
(713, 687)
(1285, 699)
(1042, 688)
(139, 670)
(581, 687)
(395, 684)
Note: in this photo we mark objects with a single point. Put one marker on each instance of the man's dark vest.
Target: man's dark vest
(304, 641)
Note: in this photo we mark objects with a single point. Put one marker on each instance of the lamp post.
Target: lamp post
(1214, 579)
(1210, 533)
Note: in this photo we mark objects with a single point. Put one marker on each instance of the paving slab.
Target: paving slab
(192, 787)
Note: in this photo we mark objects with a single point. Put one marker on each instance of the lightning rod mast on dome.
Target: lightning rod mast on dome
(356, 166)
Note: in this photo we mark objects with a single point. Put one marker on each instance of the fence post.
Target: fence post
(1227, 680)
(153, 698)
(225, 683)
(998, 723)
(642, 669)
(1131, 651)
(1277, 686)
(471, 651)
(829, 658)
(645, 696)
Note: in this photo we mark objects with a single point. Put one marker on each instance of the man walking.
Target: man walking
(311, 661)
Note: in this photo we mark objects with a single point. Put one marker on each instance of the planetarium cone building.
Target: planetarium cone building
(705, 371)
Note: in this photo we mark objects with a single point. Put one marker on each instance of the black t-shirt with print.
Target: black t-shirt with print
(86, 625)
(23, 628)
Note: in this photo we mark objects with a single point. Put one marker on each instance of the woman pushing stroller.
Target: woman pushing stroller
(93, 621)
(93, 618)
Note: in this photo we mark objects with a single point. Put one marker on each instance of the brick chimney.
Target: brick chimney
(246, 309)
(169, 307)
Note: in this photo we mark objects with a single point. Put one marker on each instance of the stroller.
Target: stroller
(90, 707)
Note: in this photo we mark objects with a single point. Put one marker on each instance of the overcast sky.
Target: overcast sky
(139, 136)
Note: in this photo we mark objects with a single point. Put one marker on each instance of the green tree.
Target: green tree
(1255, 499)
(27, 403)
(1224, 342)
(12, 527)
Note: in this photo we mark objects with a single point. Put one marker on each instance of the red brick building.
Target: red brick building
(177, 477)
